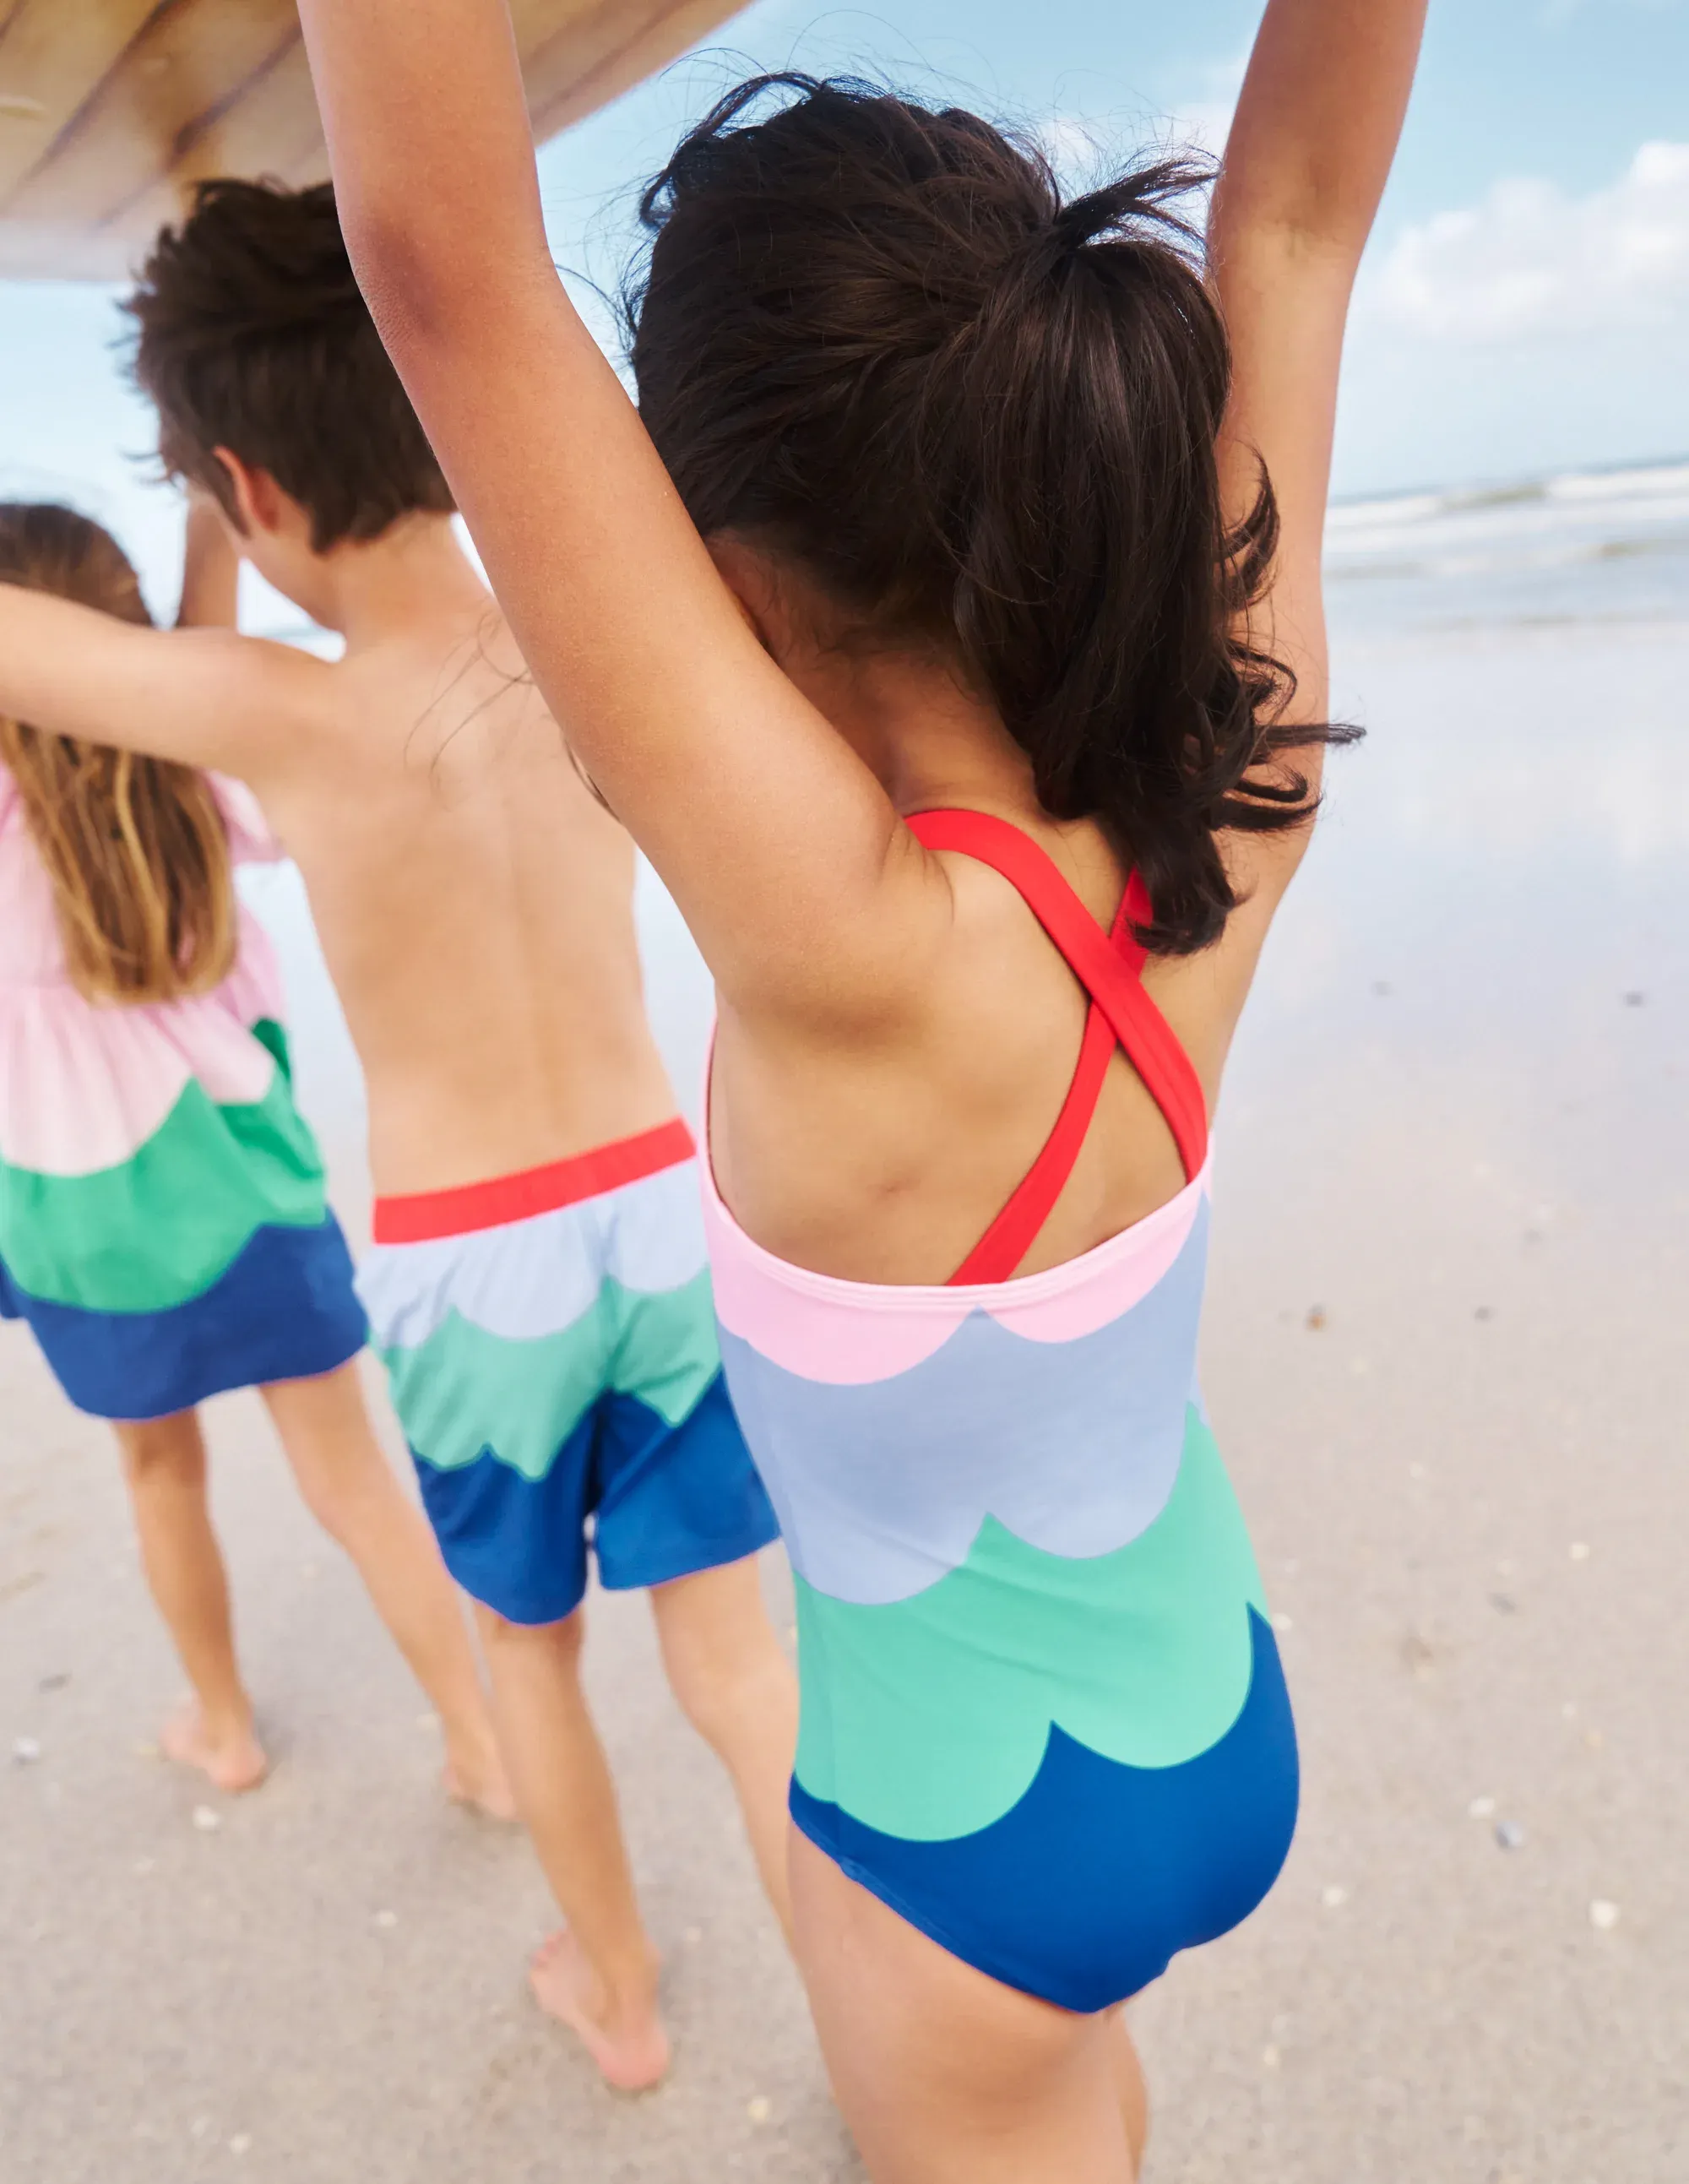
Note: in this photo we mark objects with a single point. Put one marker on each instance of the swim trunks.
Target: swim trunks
(1043, 1714)
(550, 1344)
(164, 1230)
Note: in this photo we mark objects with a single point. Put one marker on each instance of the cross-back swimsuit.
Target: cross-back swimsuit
(1044, 1717)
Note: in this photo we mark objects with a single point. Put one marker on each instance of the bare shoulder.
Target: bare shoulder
(455, 699)
(930, 927)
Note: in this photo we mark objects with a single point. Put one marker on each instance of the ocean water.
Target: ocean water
(1587, 546)
(1474, 629)
(1590, 546)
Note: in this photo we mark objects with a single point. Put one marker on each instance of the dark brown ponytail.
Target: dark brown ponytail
(873, 337)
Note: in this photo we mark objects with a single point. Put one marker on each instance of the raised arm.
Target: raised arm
(210, 570)
(1306, 164)
(203, 696)
(773, 837)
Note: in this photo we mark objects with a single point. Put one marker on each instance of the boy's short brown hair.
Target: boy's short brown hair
(251, 334)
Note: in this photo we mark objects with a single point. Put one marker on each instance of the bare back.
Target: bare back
(476, 905)
(895, 1035)
(474, 900)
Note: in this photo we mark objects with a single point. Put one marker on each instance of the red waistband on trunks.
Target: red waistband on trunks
(420, 1215)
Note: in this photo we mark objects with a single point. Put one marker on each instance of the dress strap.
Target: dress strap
(1109, 966)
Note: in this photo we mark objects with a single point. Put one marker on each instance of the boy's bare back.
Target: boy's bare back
(473, 898)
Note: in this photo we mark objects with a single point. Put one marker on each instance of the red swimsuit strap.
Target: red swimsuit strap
(1109, 966)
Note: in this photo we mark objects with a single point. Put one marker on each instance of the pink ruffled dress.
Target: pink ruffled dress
(163, 1229)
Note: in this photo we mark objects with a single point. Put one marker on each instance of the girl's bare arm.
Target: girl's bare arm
(210, 570)
(1310, 150)
(205, 696)
(776, 842)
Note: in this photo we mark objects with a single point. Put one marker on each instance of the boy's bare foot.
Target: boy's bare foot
(633, 2051)
(233, 1759)
(485, 1788)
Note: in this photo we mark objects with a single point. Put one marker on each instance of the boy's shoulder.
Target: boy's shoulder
(431, 678)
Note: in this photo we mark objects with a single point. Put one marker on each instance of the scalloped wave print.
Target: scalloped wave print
(463, 1394)
(525, 1280)
(282, 1309)
(84, 1088)
(881, 1487)
(1142, 1655)
(1063, 1770)
(1085, 1888)
(207, 1259)
(160, 1228)
(819, 1328)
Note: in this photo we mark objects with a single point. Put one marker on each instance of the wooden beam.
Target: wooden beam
(111, 109)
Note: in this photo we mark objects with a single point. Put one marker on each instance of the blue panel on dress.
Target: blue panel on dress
(284, 1309)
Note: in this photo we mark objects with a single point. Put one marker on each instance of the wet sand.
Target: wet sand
(1446, 1355)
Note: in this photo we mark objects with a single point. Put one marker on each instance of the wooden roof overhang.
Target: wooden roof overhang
(110, 109)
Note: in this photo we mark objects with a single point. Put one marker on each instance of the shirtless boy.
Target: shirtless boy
(538, 1289)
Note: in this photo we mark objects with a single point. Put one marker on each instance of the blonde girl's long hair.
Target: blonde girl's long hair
(136, 848)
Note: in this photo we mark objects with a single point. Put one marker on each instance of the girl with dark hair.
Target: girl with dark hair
(163, 1231)
(946, 626)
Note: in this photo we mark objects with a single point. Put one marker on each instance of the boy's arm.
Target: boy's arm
(1305, 165)
(205, 696)
(210, 570)
(772, 835)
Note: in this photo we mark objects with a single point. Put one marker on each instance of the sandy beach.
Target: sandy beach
(1445, 1355)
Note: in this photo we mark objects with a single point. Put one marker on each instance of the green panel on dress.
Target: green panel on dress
(274, 1036)
(462, 1390)
(938, 1709)
(161, 1226)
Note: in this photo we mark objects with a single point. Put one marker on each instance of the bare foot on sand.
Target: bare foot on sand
(632, 2052)
(233, 1759)
(484, 1788)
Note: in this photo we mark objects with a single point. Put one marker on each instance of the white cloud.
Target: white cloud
(1529, 259)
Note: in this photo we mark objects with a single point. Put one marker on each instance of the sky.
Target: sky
(1524, 309)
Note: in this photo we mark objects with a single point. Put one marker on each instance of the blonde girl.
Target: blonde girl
(163, 1231)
